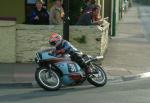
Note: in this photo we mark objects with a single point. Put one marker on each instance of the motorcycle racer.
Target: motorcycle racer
(62, 46)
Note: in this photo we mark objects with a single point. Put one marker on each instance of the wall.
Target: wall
(8, 41)
(13, 8)
(30, 38)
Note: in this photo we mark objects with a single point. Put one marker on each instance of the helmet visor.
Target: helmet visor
(52, 43)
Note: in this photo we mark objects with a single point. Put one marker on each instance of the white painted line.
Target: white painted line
(145, 75)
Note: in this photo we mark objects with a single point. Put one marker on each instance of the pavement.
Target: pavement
(128, 52)
(127, 57)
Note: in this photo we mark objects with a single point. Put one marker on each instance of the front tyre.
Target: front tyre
(98, 77)
(48, 80)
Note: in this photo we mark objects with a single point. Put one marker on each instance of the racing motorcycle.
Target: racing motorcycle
(53, 72)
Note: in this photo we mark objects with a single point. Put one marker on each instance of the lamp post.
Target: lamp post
(114, 18)
(66, 20)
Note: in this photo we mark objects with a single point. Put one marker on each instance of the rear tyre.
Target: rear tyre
(98, 78)
(47, 80)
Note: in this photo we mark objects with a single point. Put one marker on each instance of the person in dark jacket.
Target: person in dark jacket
(90, 17)
(39, 15)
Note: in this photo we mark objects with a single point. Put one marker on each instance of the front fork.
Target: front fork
(90, 69)
(50, 72)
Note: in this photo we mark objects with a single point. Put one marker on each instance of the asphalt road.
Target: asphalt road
(137, 91)
(144, 14)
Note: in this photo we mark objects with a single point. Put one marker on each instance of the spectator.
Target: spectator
(39, 15)
(93, 4)
(96, 14)
(86, 6)
(57, 13)
(90, 17)
(89, 5)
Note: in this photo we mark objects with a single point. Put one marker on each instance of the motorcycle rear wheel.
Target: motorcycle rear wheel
(98, 78)
(49, 82)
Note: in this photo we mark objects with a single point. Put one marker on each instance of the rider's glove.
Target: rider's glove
(62, 51)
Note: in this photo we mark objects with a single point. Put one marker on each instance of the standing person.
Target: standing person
(90, 17)
(93, 4)
(89, 5)
(86, 6)
(56, 13)
(96, 15)
(39, 15)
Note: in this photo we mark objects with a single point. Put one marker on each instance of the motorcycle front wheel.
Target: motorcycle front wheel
(48, 80)
(98, 76)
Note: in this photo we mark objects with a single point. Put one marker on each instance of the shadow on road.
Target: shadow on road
(41, 93)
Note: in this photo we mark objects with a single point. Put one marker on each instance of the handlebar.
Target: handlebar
(99, 57)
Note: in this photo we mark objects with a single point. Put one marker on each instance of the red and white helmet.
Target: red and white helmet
(55, 39)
